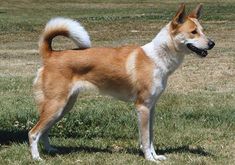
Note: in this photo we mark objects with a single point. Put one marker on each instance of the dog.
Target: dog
(129, 73)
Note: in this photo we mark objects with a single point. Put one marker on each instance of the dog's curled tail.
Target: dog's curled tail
(65, 27)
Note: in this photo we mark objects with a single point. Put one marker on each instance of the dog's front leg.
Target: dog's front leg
(144, 129)
(152, 117)
(146, 122)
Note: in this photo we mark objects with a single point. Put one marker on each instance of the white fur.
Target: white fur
(200, 43)
(38, 93)
(81, 86)
(34, 146)
(163, 50)
(130, 65)
(166, 60)
(76, 31)
(146, 136)
(38, 75)
(167, 53)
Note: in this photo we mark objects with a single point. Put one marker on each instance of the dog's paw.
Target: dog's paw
(159, 157)
(37, 158)
(151, 159)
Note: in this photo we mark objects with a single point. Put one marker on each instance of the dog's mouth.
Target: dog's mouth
(200, 52)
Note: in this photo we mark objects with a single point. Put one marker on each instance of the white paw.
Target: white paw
(37, 158)
(156, 158)
(159, 157)
(151, 159)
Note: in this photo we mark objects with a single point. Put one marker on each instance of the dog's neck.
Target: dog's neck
(164, 52)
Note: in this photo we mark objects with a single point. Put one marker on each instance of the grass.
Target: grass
(195, 117)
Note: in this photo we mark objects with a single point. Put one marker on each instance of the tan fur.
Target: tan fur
(45, 47)
(102, 67)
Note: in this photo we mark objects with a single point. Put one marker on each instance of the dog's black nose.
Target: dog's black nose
(211, 44)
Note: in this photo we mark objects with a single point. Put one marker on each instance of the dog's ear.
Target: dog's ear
(179, 16)
(196, 13)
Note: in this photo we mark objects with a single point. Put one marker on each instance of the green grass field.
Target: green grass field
(195, 117)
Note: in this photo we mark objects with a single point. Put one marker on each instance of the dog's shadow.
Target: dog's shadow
(8, 137)
(134, 151)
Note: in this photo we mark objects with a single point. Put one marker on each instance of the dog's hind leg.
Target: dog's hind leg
(46, 142)
(52, 111)
(67, 108)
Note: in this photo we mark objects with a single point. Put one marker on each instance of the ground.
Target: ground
(195, 117)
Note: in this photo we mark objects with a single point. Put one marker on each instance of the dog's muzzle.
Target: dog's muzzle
(201, 52)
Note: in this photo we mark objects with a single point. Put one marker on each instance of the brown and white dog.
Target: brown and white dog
(131, 73)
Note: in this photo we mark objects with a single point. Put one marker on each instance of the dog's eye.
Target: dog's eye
(194, 32)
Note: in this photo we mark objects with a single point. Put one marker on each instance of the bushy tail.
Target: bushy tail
(65, 27)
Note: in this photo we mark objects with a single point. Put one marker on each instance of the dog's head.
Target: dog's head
(187, 32)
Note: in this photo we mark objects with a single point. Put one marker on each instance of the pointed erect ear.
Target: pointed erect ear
(179, 16)
(196, 13)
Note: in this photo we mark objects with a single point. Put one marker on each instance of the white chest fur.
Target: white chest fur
(165, 59)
